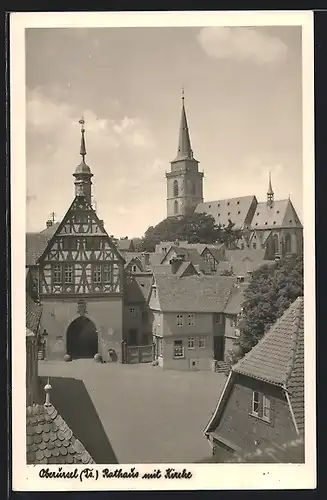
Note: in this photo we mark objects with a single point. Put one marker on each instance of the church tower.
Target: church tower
(83, 174)
(184, 181)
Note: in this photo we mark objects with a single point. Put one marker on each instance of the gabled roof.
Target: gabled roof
(236, 299)
(33, 315)
(137, 289)
(235, 209)
(280, 214)
(193, 293)
(247, 253)
(278, 359)
(36, 243)
(190, 255)
(49, 440)
(272, 359)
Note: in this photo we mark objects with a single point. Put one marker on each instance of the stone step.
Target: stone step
(222, 367)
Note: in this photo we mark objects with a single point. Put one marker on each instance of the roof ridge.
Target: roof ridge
(295, 331)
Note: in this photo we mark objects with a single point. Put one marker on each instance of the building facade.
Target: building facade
(80, 279)
(262, 403)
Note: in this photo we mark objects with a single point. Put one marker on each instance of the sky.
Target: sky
(243, 98)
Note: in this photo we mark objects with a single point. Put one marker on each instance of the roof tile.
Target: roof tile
(50, 440)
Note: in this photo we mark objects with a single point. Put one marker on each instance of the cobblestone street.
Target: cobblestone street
(148, 415)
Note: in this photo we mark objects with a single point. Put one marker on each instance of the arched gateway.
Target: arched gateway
(82, 338)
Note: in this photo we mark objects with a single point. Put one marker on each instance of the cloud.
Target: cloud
(121, 153)
(242, 43)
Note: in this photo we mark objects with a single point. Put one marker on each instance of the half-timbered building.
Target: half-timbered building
(80, 275)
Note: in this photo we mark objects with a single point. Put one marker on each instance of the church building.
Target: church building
(272, 224)
(78, 273)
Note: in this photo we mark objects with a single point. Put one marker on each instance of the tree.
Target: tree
(271, 291)
(193, 228)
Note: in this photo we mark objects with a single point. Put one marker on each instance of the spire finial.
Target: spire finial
(47, 389)
(183, 93)
(270, 192)
(83, 148)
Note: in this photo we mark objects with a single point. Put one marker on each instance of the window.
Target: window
(191, 343)
(57, 273)
(178, 349)
(261, 406)
(228, 203)
(92, 243)
(179, 320)
(228, 213)
(154, 292)
(107, 273)
(238, 202)
(254, 245)
(232, 322)
(176, 190)
(68, 273)
(134, 268)
(132, 312)
(219, 319)
(191, 320)
(175, 207)
(239, 211)
(202, 342)
(242, 246)
(96, 275)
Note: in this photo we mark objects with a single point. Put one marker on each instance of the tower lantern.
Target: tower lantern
(83, 174)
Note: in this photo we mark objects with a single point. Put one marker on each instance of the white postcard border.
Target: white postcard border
(205, 476)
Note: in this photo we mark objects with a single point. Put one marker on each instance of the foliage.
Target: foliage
(193, 228)
(271, 291)
(233, 355)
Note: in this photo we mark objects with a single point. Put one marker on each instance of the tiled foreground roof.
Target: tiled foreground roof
(49, 440)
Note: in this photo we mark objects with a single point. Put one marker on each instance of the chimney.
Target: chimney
(146, 258)
(49, 223)
(175, 263)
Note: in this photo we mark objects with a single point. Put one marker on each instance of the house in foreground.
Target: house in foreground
(262, 403)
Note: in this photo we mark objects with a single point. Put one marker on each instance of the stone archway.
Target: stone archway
(82, 338)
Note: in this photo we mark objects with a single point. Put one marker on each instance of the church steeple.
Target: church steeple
(83, 172)
(270, 193)
(184, 150)
(184, 181)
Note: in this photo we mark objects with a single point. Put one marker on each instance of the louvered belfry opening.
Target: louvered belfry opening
(82, 338)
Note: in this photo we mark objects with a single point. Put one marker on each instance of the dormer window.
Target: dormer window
(274, 222)
(228, 203)
(256, 223)
(277, 212)
(228, 213)
(218, 215)
(291, 221)
(239, 211)
(209, 206)
(257, 213)
(134, 268)
(238, 202)
(218, 205)
(266, 223)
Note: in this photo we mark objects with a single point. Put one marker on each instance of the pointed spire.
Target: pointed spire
(83, 148)
(270, 193)
(184, 143)
(270, 190)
